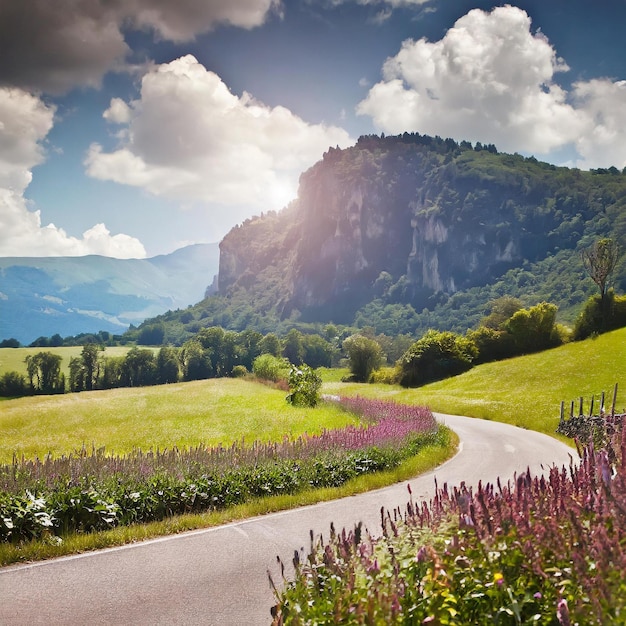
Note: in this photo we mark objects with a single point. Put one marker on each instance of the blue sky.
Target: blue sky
(131, 128)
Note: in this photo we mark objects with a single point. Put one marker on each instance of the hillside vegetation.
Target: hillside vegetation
(525, 391)
(408, 233)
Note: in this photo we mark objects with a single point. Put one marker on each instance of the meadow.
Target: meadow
(211, 412)
(12, 359)
(524, 391)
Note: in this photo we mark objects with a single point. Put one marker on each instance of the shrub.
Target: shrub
(435, 356)
(239, 371)
(270, 367)
(599, 316)
(304, 386)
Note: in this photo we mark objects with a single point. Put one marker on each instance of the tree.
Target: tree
(293, 348)
(270, 344)
(44, 372)
(435, 356)
(364, 354)
(534, 329)
(90, 356)
(195, 362)
(600, 259)
(13, 385)
(500, 311)
(139, 368)
(167, 365)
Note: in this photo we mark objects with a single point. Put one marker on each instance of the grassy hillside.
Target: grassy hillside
(525, 391)
(184, 414)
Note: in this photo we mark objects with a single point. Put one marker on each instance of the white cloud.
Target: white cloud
(25, 120)
(54, 46)
(488, 79)
(603, 144)
(190, 139)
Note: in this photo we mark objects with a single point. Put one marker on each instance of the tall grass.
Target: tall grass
(525, 391)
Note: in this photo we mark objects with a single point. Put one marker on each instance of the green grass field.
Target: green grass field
(184, 414)
(525, 391)
(12, 359)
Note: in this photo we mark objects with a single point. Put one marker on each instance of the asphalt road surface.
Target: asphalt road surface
(219, 575)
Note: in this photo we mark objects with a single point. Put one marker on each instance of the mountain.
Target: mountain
(414, 227)
(42, 296)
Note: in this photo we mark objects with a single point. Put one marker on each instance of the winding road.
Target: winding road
(219, 575)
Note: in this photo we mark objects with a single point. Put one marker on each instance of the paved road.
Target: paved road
(218, 576)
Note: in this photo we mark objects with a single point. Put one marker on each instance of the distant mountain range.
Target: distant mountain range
(42, 296)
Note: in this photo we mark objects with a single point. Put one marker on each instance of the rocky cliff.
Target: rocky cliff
(403, 218)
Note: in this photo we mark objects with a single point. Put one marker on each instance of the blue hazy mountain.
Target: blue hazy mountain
(42, 296)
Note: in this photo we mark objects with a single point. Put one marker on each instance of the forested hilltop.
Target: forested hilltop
(412, 232)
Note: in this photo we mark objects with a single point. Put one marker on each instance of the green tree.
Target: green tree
(270, 344)
(435, 356)
(317, 351)
(44, 372)
(139, 368)
(500, 311)
(13, 385)
(90, 356)
(364, 355)
(270, 367)
(151, 335)
(195, 361)
(293, 348)
(167, 368)
(534, 329)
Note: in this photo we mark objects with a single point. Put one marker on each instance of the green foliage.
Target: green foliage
(44, 372)
(87, 492)
(13, 385)
(435, 356)
(600, 315)
(534, 329)
(364, 355)
(304, 386)
(270, 367)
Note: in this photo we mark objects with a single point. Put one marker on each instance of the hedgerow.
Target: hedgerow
(91, 491)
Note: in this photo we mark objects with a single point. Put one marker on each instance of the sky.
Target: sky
(131, 128)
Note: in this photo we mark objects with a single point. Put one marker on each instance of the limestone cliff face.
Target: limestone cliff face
(417, 216)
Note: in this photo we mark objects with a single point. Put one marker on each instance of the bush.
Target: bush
(593, 320)
(270, 367)
(435, 356)
(239, 371)
(385, 376)
(14, 385)
(304, 386)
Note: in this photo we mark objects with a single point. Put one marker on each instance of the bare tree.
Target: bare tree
(600, 260)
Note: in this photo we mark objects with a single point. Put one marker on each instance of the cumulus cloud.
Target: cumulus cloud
(603, 143)
(25, 120)
(489, 79)
(54, 46)
(190, 139)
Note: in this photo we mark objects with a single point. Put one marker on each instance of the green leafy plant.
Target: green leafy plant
(304, 386)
